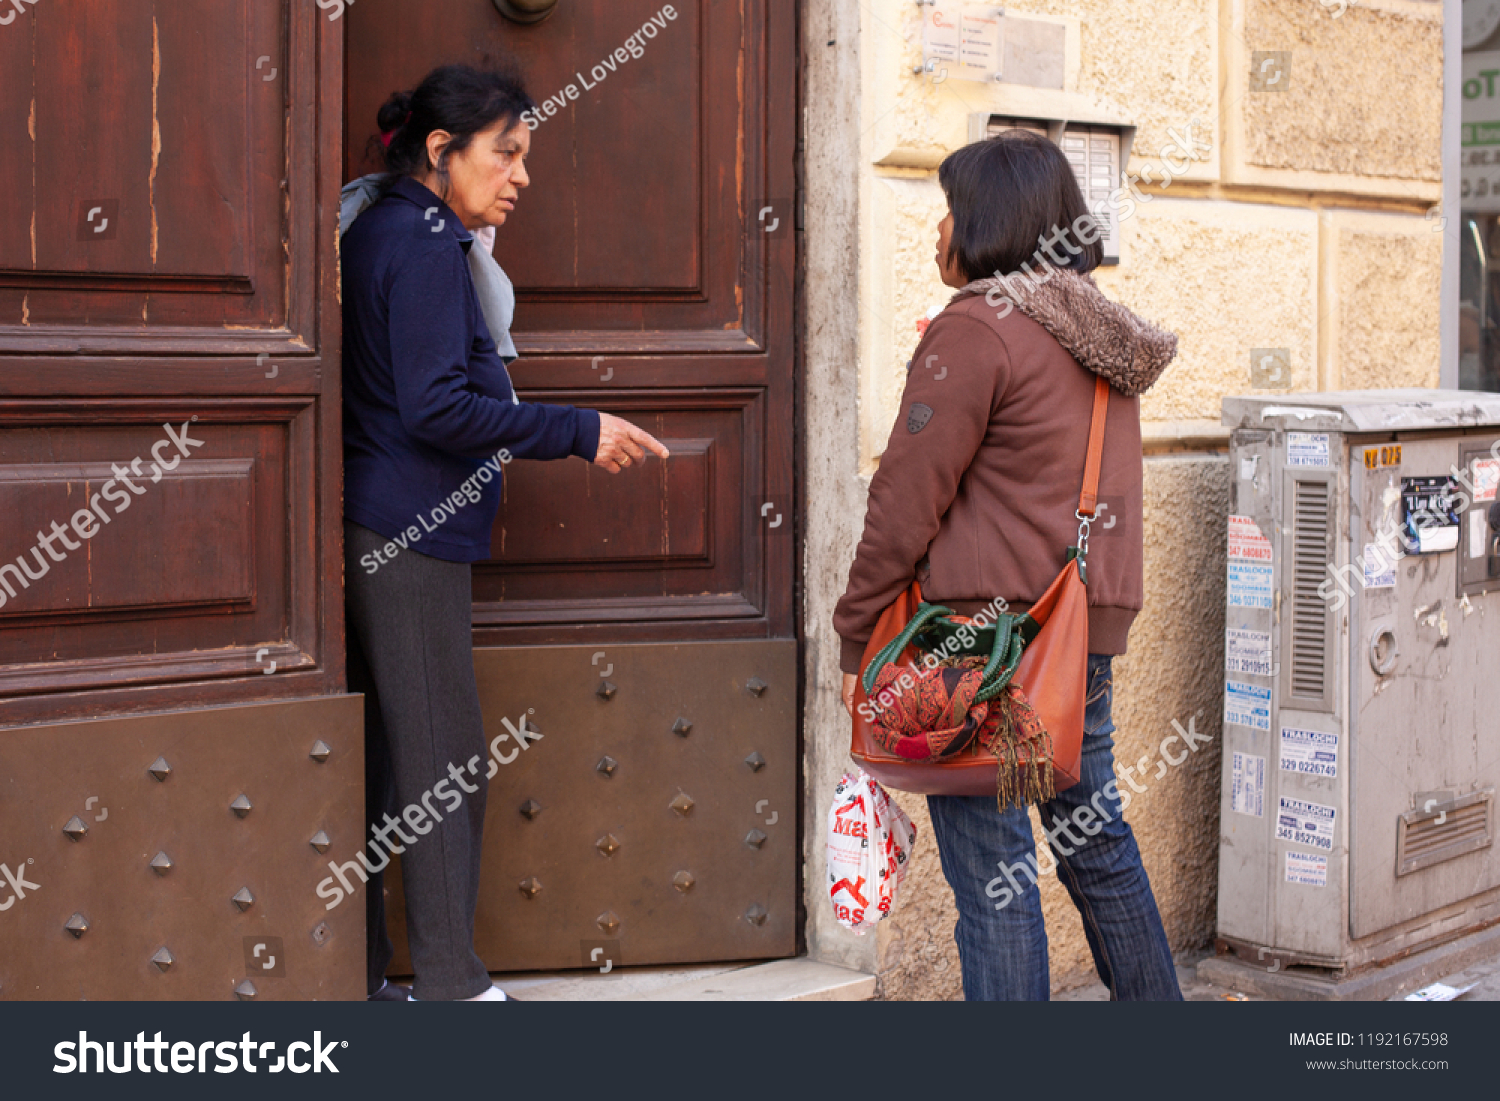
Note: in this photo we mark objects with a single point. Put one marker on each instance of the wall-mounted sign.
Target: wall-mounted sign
(1479, 168)
(962, 40)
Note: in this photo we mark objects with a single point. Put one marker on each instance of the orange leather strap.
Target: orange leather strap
(1089, 499)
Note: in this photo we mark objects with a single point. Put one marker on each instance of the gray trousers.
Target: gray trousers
(410, 628)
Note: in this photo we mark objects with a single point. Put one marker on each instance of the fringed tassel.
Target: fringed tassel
(1023, 749)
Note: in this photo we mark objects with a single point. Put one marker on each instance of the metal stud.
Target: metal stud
(530, 886)
(77, 925)
(756, 915)
(246, 991)
(683, 881)
(163, 959)
(682, 728)
(531, 727)
(608, 922)
(683, 805)
(530, 809)
(75, 829)
(607, 765)
(241, 806)
(320, 751)
(756, 762)
(756, 686)
(320, 841)
(160, 769)
(606, 690)
(755, 839)
(320, 934)
(243, 899)
(161, 863)
(608, 844)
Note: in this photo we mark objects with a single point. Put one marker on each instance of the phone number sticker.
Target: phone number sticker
(1309, 752)
(1304, 823)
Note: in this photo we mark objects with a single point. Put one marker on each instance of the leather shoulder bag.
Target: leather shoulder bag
(922, 725)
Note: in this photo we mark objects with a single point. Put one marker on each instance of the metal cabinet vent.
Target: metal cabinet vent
(1427, 837)
(1308, 681)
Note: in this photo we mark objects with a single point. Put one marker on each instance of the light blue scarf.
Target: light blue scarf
(497, 295)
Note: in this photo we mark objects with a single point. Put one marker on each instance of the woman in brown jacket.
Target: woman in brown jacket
(975, 496)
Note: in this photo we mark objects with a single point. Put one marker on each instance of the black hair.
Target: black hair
(1007, 192)
(460, 99)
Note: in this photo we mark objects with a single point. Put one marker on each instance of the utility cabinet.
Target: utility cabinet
(1361, 749)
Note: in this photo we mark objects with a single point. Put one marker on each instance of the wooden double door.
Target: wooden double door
(179, 756)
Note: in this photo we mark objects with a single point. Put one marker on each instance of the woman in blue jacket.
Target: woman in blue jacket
(430, 421)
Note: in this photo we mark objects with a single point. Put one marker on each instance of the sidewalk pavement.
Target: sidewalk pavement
(1486, 976)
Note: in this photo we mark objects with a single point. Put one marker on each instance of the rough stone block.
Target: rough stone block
(1382, 298)
(1350, 102)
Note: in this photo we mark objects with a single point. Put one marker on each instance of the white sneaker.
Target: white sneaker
(493, 994)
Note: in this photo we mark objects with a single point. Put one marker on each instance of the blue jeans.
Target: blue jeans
(1002, 940)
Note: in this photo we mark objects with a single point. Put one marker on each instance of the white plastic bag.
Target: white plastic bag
(869, 844)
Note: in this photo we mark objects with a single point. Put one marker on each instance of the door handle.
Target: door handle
(525, 11)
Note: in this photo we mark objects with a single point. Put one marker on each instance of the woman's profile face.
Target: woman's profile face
(950, 274)
(485, 180)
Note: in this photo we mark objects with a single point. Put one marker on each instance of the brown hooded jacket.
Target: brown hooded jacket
(984, 466)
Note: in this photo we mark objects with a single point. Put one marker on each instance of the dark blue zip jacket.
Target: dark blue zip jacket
(428, 403)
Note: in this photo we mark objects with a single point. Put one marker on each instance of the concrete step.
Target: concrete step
(794, 980)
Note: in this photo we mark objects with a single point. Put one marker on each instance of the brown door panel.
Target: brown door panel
(206, 128)
(191, 578)
(161, 856)
(153, 207)
(656, 824)
(674, 532)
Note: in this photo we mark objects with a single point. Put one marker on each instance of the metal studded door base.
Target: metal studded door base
(176, 856)
(655, 819)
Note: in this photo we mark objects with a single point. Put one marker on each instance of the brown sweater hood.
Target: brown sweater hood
(980, 478)
(1129, 351)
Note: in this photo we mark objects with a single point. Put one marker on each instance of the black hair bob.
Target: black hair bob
(460, 99)
(1008, 193)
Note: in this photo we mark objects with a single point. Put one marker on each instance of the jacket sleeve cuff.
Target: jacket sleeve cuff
(852, 655)
(586, 440)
